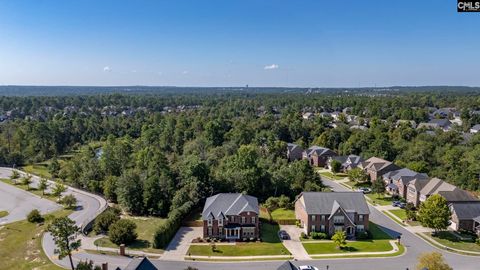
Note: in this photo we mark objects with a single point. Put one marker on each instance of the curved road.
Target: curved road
(91, 205)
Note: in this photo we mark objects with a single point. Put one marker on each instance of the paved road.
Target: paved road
(19, 203)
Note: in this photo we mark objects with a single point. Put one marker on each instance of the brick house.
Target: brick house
(294, 152)
(318, 156)
(377, 167)
(348, 162)
(397, 181)
(465, 216)
(329, 212)
(231, 216)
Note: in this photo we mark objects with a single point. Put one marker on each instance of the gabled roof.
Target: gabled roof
(141, 264)
(317, 150)
(419, 183)
(378, 164)
(404, 175)
(466, 210)
(229, 204)
(291, 147)
(476, 127)
(450, 192)
(287, 266)
(322, 203)
(441, 122)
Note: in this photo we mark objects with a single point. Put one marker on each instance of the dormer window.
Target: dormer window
(220, 222)
(210, 221)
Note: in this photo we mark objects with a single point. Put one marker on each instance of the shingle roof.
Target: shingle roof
(450, 192)
(404, 175)
(229, 204)
(476, 127)
(287, 266)
(322, 203)
(141, 264)
(292, 146)
(318, 150)
(378, 164)
(441, 122)
(466, 210)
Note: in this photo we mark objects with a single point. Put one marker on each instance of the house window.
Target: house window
(313, 228)
(360, 217)
(210, 222)
(322, 228)
(338, 219)
(323, 218)
(253, 219)
(220, 222)
(360, 228)
(313, 217)
(209, 231)
(243, 219)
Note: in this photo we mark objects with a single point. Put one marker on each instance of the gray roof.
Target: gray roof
(353, 160)
(287, 266)
(318, 151)
(450, 192)
(466, 210)
(141, 264)
(379, 164)
(323, 203)
(405, 175)
(441, 122)
(291, 147)
(229, 204)
(476, 127)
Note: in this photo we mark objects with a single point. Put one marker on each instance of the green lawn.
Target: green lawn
(39, 169)
(338, 176)
(282, 213)
(264, 214)
(450, 240)
(145, 229)
(270, 245)
(379, 242)
(31, 190)
(402, 214)
(3, 214)
(20, 245)
(380, 199)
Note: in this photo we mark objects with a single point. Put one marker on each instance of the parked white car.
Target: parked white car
(307, 267)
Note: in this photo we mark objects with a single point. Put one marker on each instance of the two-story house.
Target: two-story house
(232, 216)
(294, 152)
(318, 156)
(397, 181)
(330, 212)
(348, 162)
(377, 167)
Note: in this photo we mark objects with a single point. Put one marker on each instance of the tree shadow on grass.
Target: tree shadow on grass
(140, 244)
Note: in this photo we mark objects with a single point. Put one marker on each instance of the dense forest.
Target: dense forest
(153, 153)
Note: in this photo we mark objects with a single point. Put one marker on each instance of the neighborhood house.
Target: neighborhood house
(294, 152)
(231, 216)
(329, 212)
(376, 167)
(348, 162)
(318, 156)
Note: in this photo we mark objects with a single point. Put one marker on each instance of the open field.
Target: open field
(146, 227)
(270, 245)
(20, 245)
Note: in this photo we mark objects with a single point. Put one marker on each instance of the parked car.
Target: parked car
(399, 204)
(307, 267)
(365, 190)
(283, 235)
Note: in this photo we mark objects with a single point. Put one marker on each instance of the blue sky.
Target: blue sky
(233, 43)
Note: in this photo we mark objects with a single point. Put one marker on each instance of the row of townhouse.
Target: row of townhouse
(235, 216)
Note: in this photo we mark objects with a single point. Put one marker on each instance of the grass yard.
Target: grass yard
(3, 214)
(31, 190)
(450, 240)
(20, 245)
(39, 169)
(380, 199)
(282, 213)
(338, 176)
(402, 214)
(145, 229)
(270, 245)
(379, 242)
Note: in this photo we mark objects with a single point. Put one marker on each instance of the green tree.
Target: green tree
(122, 232)
(410, 211)
(336, 166)
(34, 216)
(357, 175)
(130, 192)
(14, 176)
(105, 219)
(378, 187)
(43, 185)
(434, 213)
(432, 261)
(63, 231)
(69, 201)
(340, 239)
(87, 265)
(27, 180)
(58, 189)
(54, 167)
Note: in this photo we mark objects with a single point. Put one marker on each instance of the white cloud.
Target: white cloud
(107, 69)
(272, 66)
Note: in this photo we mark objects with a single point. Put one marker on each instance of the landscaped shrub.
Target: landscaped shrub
(122, 232)
(105, 219)
(34, 216)
(167, 230)
(69, 201)
(303, 235)
(364, 235)
(318, 235)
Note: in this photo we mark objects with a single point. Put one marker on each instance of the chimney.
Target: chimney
(122, 250)
(104, 266)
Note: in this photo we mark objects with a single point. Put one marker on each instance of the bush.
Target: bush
(284, 202)
(271, 203)
(87, 265)
(167, 230)
(34, 216)
(69, 201)
(318, 235)
(303, 235)
(122, 232)
(364, 235)
(105, 219)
